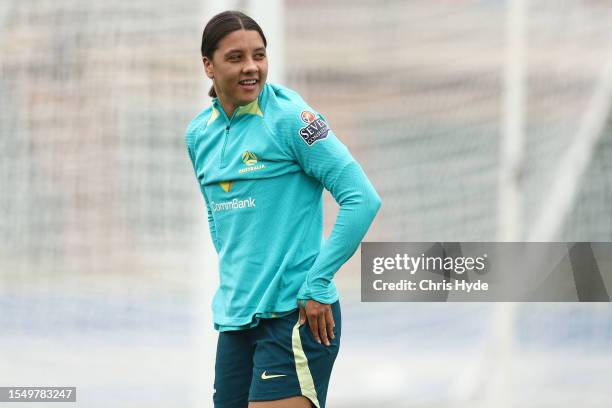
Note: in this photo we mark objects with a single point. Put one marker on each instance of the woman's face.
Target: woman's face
(238, 68)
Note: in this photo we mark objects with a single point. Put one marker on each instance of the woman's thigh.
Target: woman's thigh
(293, 402)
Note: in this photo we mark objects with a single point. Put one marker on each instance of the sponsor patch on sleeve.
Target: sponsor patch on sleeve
(315, 129)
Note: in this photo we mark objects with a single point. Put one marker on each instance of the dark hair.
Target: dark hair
(221, 25)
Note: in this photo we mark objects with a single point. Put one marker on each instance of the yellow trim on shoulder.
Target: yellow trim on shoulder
(301, 367)
(250, 109)
(213, 116)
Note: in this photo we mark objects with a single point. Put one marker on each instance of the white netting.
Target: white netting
(100, 218)
(417, 88)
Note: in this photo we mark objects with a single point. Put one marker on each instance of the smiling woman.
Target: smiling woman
(239, 68)
(262, 157)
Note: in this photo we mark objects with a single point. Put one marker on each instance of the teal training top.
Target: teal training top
(262, 174)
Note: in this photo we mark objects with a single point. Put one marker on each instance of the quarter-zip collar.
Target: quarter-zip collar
(252, 108)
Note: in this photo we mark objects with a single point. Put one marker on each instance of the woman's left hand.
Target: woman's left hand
(320, 320)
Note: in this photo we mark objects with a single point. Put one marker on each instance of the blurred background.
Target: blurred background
(476, 120)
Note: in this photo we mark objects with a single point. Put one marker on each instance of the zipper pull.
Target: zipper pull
(222, 158)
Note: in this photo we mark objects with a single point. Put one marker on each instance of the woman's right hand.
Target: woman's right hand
(320, 319)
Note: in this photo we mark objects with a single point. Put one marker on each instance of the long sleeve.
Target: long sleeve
(324, 157)
(211, 221)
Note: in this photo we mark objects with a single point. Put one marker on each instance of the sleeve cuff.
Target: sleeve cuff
(316, 291)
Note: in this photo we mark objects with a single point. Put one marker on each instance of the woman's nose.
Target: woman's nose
(250, 65)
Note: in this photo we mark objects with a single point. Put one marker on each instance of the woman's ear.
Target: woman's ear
(208, 68)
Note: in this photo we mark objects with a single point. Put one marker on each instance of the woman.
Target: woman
(262, 157)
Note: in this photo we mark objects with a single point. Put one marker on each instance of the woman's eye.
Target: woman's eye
(260, 56)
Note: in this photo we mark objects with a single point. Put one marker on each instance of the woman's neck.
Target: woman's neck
(228, 108)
